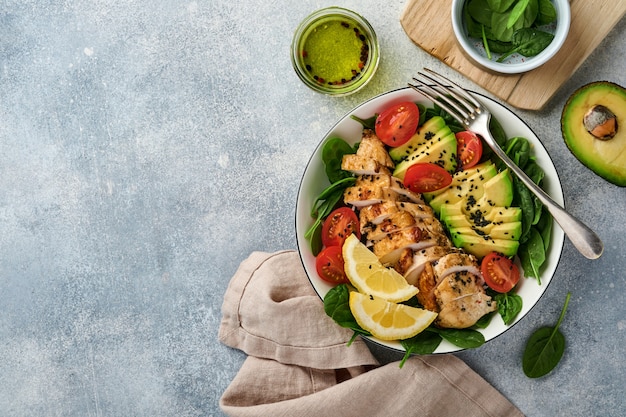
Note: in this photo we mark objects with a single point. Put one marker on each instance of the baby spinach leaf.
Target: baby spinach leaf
(464, 338)
(337, 307)
(322, 207)
(528, 42)
(500, 6)
(524, 200)
(423, 343)
(369, 123)
(544, 226)
(547, 12)
(480, 11)
(517, 12)
(509, 306)
(532, 254)
(531, 12)
(544, 348)
(484, 321)
(499, 27)
(332, 154)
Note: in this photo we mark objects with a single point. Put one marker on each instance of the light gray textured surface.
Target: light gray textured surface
(147, 147)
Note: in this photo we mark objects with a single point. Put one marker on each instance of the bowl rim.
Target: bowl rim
(558, 237)
(560, 36)
(374, 51)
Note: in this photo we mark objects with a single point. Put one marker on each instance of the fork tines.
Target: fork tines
(448, 95)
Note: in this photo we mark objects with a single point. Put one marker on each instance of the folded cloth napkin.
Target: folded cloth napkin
(299, 364)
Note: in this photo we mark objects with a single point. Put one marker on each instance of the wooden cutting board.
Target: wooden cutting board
(428, 24)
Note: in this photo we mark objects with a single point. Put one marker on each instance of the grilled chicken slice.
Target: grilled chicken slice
(373, 148)
(423, 257)
(452, 286)
(375, 189)
(374, 214)
(426, 283)
(389, 249)
(371, 157)
(459, 293)
(397, 222)
(462, 301)
(457, 262)
(417, 210)
(360, 165)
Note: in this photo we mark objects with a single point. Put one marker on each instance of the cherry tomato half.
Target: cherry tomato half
(500, 273)
(469, 148)
(395, 125)
(329, 265)
(426, 177)
(340, 224)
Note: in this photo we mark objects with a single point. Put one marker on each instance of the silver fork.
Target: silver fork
(471, 114)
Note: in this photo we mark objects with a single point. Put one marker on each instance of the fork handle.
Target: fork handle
(582, 237)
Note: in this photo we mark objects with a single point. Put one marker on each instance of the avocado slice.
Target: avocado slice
(498, 192)
(432, 128)
(468, 187)
(593, 124)
(460, 177)
(508, 231)
(440, 151)
(496, 215)
(480, 246)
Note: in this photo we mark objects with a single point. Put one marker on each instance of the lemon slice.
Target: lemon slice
(369, 276)
(386, 320)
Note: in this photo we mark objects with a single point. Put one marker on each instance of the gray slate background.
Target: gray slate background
(146, 148)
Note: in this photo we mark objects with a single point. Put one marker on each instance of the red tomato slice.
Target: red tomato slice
(340, 224)
(426, 177)
(395, 125)
(329, 265)
(500, 273)
(469, 148)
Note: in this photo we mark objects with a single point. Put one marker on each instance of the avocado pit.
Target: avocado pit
(600, 122)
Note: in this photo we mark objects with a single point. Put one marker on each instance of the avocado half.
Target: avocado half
(593, 124)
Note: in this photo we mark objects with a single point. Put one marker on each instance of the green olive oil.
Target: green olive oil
(335, 52)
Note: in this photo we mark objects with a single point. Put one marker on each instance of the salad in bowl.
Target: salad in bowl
(415, 235)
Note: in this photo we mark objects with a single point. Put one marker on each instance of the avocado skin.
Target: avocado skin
(608, 159)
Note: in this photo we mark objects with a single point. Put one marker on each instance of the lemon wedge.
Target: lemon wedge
(370, 277)
(386, 320)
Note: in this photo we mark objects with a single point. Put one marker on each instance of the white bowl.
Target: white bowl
(315, 180)
(514, 64)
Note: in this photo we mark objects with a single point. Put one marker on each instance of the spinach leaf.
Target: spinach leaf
(422, 110)
(464, 338)
(484, 321)
(509, 306)
(532, 254)
(337, 307)
(423, 343)
(547, 12)
(528, 42)
(322, 207)
(369, 123)
(544, 226)
(332, 153)
(517, 12)
(501, 32)
(544, 348)
(524, 200)
(480, 11)
(500, 6)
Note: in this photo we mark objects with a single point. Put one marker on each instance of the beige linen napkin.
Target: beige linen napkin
(299, 363)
